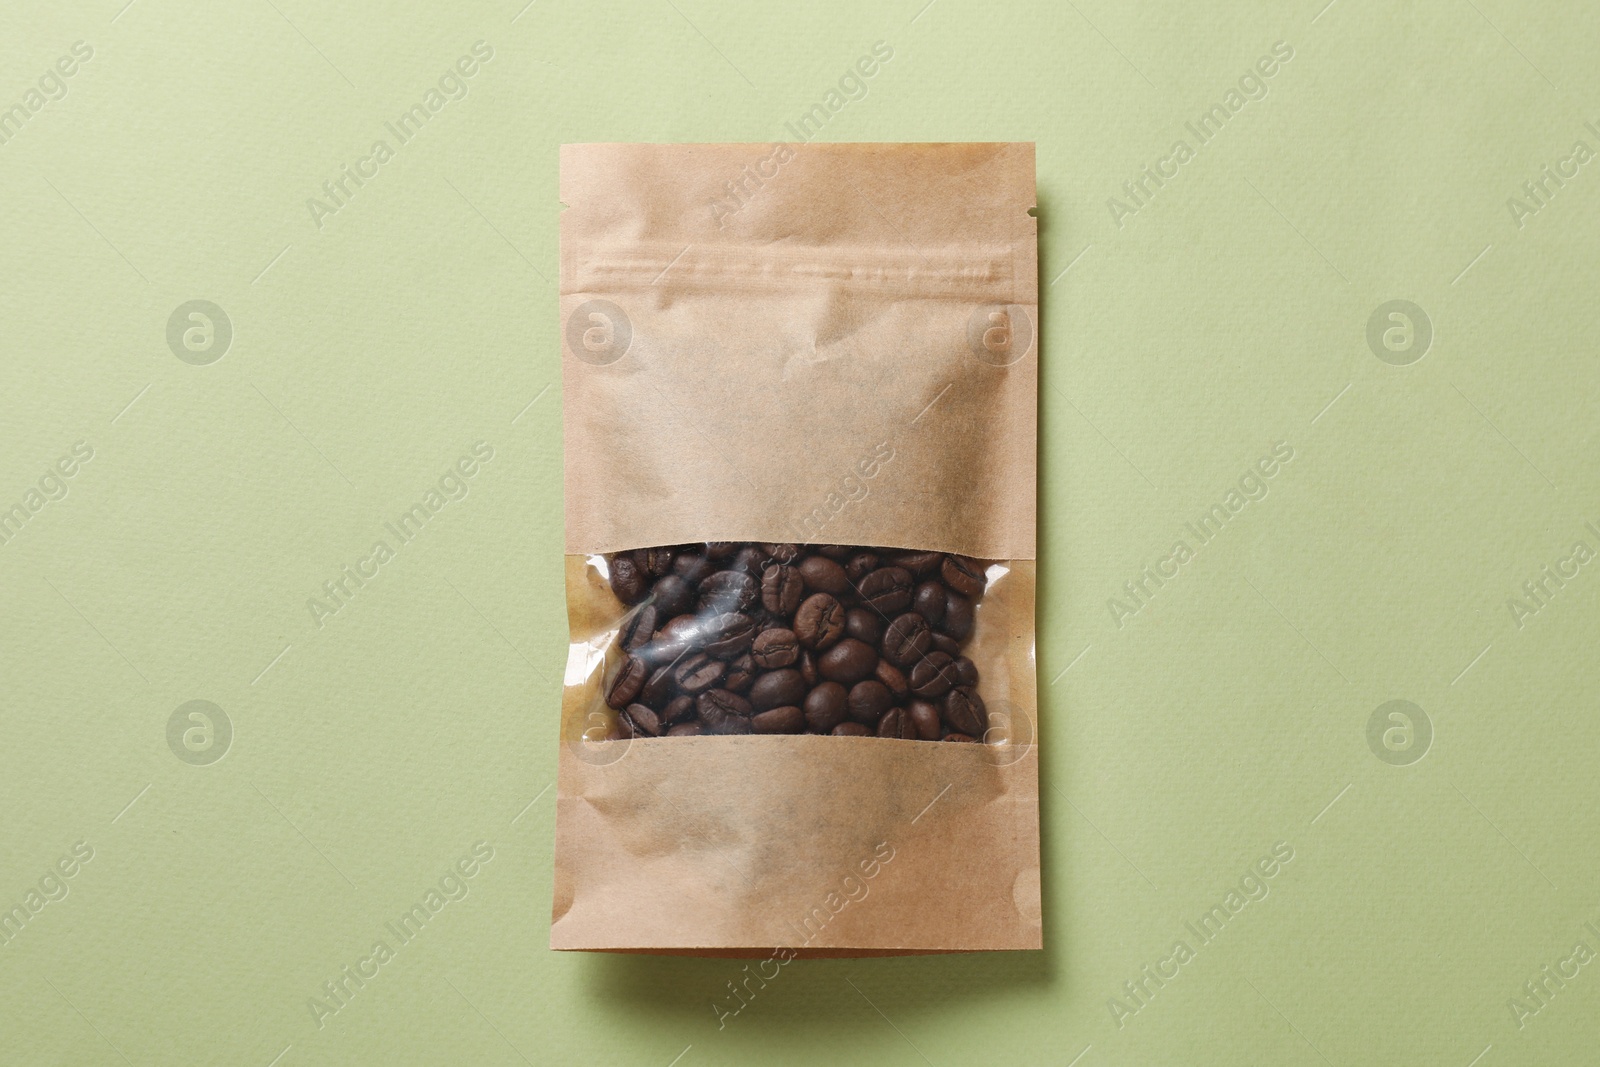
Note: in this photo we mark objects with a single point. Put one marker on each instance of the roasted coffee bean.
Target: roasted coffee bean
(727, 591)
(692, 567)
(655, 561)
(868, 701)
(964, 711)
(672, 595)
(733, 724)
(775, 648)
(926, 719)
(893, 679)
(678, 708)
(626, 685)
(785, 720)
(714, 705)
(966, 671)
(721, 549)
(741, 673)
(946, 644)
(848, 662)
(929, 602)
(933, 675)
(919, 563)
(749, 560)
(957, 617)
(960, 737)
(637, 720)
(777, 688)
(808, 668)
(896, 722)
(965, 576)
(860, 565)
(685, 729)
(628, 580)
(819, 622)
(887, 590)
(729, 635)
(907, 639)
(825, 706)
(851, 729)
(698, 672)
(864, 624)
(657, 689)
(781, 589)
(823, 575)
(785, 553)
(836, 552)
(638, 628)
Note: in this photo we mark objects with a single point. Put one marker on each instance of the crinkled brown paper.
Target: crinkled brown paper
(814, 343)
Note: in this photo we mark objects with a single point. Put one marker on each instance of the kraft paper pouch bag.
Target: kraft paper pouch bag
(800, 385)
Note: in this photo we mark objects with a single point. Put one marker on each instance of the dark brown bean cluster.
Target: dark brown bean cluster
(734, 637)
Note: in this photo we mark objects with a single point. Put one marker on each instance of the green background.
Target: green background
(1228, 714)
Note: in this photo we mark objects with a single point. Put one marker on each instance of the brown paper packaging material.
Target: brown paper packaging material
(809, 343)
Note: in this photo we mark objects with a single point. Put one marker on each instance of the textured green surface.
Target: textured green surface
(1230, 713)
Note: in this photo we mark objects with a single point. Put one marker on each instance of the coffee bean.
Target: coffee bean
(966, 671)
(777, 688)
(825, 706)
(893, 679)
(785, 720)
(930, 602)
(933, 675)
(655, 561)
(638, 628)
(808, 668)
(721, 549)
(848, 662)
(784, 553)
(964, 711)
(836, 552)
(626, 685)
(697, 672)
(946, 644)
(672, 595)
(678, 708)
(749, 560)
(733, 724)
(628, 579)
(692, 567)
(819, 622)
(896, 722)
(637, 720)
(741, 673)
(863, 624)
(781, 589)
(727, 591)
(657, 688)
(715, 706)
(868, 701)
(775, 648)
(925, 717)
(729, 634)
(965, 576)
(907, 639)
(919, 563)
(685, 729)
(887, 590)
(957, 617)
(851, 729)
(823, 575)
(860, 565)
